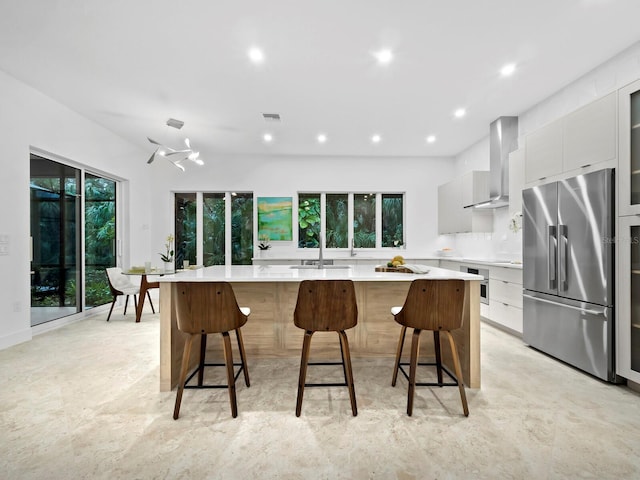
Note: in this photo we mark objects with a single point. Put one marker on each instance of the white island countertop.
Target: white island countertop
(294, 273)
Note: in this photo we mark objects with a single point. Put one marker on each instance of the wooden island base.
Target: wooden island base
(270, 332)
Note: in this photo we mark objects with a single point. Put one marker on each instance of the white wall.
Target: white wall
(286, 176)
(29, 119)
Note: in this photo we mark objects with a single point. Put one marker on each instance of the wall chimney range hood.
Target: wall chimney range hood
(503, 139)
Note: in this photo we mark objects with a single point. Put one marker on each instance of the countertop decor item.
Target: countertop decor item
(515, 224)
(264, 242)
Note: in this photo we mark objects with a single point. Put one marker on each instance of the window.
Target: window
(214, 228)
(309, 220)
(361, 220)
(185, 228)
(100, 237)
(241, 228)
(364, 220)
(392, 220)
(337, 220)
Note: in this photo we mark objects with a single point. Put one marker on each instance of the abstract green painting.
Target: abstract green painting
(275, 216)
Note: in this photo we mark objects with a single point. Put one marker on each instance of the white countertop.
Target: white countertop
(480, 261)
(284, 273)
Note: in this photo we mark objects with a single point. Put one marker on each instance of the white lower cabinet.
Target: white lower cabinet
(505, 297)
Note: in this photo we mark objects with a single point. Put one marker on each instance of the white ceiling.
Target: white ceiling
(130, 65)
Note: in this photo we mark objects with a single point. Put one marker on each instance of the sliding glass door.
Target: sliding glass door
(100, 237)
(55, 227)
(57, 223)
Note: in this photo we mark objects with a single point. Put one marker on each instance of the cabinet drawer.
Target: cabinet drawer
(507, 315)
(513, 275)
(505, 292)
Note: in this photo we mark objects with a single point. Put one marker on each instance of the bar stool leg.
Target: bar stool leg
(436, 347)
(456, 365)
(243, 357)
(203, 351)
(183, 375)
(398, 355)
(349, 372)
(231, 382)
(415, 348)
(306, 344)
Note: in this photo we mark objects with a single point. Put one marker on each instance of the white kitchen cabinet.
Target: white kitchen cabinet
(516, 180)
(453, 218)
(505, 297)
(629, 149)
(449, 201)
(475, 187)
(590, 134)
(580, 142)
(628, 299)
(544, 152)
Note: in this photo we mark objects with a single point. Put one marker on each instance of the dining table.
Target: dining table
(145, 285)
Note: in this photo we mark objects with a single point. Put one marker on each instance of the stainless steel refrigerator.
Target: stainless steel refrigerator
(568, 271)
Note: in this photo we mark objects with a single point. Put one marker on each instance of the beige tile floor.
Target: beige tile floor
(83, 402)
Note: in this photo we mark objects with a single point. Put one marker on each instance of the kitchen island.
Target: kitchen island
(271, 291)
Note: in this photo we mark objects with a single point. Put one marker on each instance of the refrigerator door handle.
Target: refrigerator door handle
(563, 241)
(583, 310)
(551, 256)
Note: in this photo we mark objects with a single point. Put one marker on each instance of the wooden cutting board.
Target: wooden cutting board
(393, 269)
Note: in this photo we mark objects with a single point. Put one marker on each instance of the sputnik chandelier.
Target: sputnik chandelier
(175, 156)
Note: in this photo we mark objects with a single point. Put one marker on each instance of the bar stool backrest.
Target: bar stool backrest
(206, 307)
(326, 305)
(433, 305)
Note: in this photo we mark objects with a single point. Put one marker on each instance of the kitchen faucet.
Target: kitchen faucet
(320, 259)
(353, 252)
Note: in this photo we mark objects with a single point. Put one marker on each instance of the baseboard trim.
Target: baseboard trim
(15, 338)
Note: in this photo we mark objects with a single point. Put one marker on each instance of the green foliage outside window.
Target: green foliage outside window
(242, 229)
(392, 214)
(364, 220)
(337, 220)
(185, 225)
(213, 224)
(309, 220)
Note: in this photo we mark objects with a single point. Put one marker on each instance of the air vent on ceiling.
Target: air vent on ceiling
(271, 117)
(172, 122)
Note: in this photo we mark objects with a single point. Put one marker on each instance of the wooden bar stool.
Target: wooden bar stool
(435, 305)
(203, 308)
(326, 306)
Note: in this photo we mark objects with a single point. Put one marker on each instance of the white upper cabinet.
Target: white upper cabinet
(574, 144)
(453, 217)
(516, 180)
(629, 149)
(475, 188)
(590, 134)
(544, 152)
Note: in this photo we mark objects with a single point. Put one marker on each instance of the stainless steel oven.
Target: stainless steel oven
(484, 284)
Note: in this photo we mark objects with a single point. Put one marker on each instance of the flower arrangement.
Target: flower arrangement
(515, 224)
(168, 257)
(264, 242)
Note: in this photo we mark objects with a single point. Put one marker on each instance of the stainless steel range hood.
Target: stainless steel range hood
(503, 139)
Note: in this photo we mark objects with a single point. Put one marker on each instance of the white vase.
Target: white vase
(168, 267)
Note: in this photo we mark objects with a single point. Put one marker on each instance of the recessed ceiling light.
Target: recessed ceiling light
(384, 56)
(267, 137)
(459, 113)
(322, 138)
(376, 139)
(256, 55)
(508, 69)
(431, 138)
